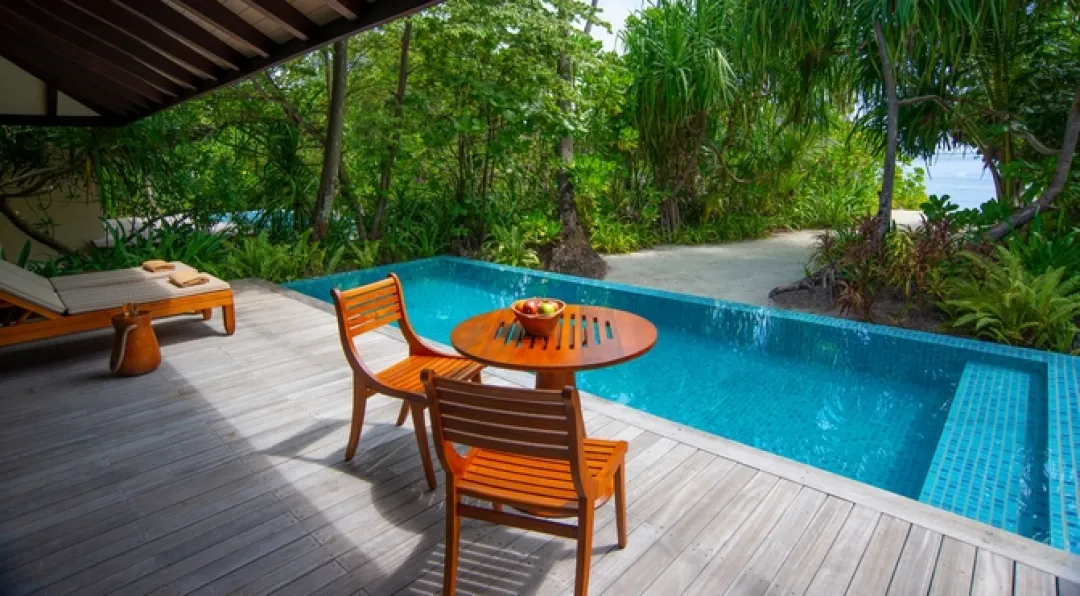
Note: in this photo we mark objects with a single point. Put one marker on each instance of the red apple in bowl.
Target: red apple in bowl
(531, 307)
(538, 316)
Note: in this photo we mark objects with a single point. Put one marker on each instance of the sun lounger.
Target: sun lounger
(116, 276)
(34, 309)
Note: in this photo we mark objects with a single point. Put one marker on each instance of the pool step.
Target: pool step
(978, 468)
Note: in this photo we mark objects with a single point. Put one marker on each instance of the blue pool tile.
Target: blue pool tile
(986, 466)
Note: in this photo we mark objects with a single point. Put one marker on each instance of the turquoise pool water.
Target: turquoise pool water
(931, 419)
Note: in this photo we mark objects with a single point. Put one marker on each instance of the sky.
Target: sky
(615, 13)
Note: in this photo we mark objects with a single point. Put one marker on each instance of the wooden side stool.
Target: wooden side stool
(135, 346)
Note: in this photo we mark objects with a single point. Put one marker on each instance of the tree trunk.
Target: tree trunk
(1057, 184)
(320, 215)
(344, 184)
(574, 253)
(387, 169)
(885, 197)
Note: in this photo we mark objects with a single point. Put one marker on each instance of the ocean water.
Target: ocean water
(960, 175)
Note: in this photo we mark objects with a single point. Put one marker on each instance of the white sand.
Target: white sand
(740, 272)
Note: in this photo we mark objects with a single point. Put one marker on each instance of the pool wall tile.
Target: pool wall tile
(980, 467)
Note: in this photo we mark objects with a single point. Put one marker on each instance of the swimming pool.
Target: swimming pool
(982, 430)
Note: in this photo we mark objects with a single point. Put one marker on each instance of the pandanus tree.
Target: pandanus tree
(681, 80)
(887, 51)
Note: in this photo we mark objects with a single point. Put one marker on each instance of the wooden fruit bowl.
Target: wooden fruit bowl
(539, 325)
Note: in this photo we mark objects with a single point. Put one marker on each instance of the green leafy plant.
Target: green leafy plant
(1007, 303)
(365, 255)
(506, 245)
(1040, 251)
(257, 256)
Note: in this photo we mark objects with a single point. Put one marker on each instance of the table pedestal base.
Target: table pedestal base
(555, 380)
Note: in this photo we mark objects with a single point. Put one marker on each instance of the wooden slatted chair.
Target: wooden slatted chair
(527, 451)
(367, 308)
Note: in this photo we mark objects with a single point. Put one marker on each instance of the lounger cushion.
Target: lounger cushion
(30, 287)
(116, 276)
(81, 300)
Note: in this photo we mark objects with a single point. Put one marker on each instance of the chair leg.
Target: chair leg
(620, 503)
(358, 406)
(403, 413)
(422, 444)
(453, 537)
(228, 312)
(584, 547)
(207, 313)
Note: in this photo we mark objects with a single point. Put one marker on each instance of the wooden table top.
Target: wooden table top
(587, 337)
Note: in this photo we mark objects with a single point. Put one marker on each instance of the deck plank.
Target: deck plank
(836, 571)
(993, 575)
(684, 569)
(881, 557)
(1032, 582)
(955, 568)
(222, 472)
(756, 577)
(915, 569)
(798, 570)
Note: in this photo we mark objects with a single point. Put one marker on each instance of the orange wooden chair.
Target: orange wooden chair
(366, 308)
(528, 451)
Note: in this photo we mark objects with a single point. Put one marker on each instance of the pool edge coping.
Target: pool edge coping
(1037, 555)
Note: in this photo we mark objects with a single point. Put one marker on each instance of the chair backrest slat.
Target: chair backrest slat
(507, 446)
(368, 307)
(501, 417)
(558, 439)
(521, 422)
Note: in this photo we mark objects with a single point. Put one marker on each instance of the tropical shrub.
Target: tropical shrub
(1040, 252)
(1005, 302)
(910, 264)
(257, 256)
(508, 246)
(168, 241)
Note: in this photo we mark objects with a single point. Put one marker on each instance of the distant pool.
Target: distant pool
(982, 430)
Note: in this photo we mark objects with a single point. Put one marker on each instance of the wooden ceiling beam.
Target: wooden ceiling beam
(89, 92)
(37, 120)
(146, 34)
(42, 39)
(230, 24)
(94, 47)
(42, 66)
(350, 9)
(376, 14)
(129, 45)
(168, 18)
(170, 34)
(284, 14)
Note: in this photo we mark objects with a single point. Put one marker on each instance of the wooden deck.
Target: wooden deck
(222, 472)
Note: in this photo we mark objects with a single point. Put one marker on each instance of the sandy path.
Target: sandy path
(740, 272)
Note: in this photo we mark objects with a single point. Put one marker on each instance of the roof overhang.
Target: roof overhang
(110, 62)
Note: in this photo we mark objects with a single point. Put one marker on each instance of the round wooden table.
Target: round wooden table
(587, 337)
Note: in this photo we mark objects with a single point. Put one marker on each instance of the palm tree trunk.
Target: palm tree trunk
(885, 196)
(574, 254)
(320, 216)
